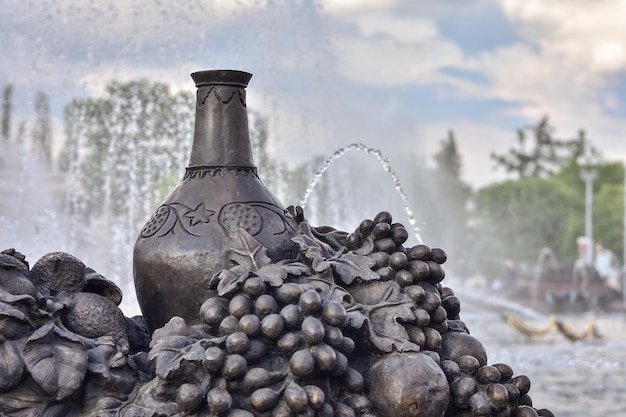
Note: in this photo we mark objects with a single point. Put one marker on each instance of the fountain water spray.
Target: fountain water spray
(384, 163)
(213, 267)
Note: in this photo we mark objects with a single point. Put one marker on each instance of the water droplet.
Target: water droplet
(386, 167)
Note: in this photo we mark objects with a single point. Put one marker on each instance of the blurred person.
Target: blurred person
(608, 267)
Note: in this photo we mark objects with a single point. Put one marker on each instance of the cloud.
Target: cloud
(540, 80)
(564, 67)
(572, 51)
(590, 35)
(342, 7)
(406, 30)
(390, 50)
(387, 63)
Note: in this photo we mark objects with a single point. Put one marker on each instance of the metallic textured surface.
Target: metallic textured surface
(186, 241)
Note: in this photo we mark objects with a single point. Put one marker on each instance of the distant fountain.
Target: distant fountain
(384, 162)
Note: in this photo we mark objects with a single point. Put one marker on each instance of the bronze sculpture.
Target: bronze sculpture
(280, 318)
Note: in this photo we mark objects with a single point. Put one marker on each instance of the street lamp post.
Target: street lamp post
(624, 258)
(589, 175)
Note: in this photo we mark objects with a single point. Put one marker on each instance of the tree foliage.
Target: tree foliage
(125, 144)
(448, 158)
(608, 204)
(447, 225)
(517, 218)
(543, 155)
(287, 183)
(129, 148)
(42, 131)
(546, 205)
(5, 118)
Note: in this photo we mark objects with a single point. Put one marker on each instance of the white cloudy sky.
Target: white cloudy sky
(393, 74)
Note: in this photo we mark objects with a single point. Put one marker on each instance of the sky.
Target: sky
(395, 75)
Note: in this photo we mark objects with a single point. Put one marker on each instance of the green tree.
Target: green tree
(271, 171)
(543, 155)
(287, 183)
(448, 158)
(517, 218)
(608, 217)
(42, 132)
(5, 119)
(20, 135)
(127, 148)
(608, 205)
(447, 226)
